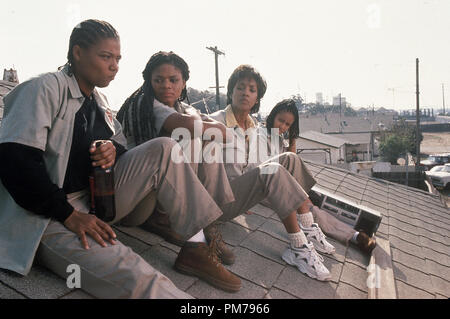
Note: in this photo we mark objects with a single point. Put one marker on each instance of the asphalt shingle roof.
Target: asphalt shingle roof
(416, 224)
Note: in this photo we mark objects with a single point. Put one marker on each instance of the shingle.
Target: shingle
(406, 247)
(251, 222)
(255, 268)
(40, 283)
(8, 293)
(434, 245)
(265, 245)
(163, 260)
(341, 250)
(433, 228)
(409, 260)
(275, 229)
(78, 294)
(275, 293)
(141, 234)
(405, 291)
(301, 286)
(233, 234)
(438, 270)
(349, 292)
(136, 245)
(356, 257)
(441, 286)
(436, 256)
(399, 224)
(355, 276)
(350, 192)
(262, 210)
(407, 236)
(432, 235)
(249, 290)
(412, 277)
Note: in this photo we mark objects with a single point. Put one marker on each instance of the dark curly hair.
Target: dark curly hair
(287, 105)
(136, 113)
(243, 72)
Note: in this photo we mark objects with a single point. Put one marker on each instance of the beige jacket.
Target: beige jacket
(40, 113)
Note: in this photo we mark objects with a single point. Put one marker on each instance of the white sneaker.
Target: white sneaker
(308, 261)
(315, 235)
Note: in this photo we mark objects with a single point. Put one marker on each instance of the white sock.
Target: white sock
(298, 239)
(354, 237)
(306, 219)
(198, 238)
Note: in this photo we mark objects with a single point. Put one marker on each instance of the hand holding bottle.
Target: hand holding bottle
(103, 155)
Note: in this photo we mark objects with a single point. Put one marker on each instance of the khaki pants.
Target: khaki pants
(274, 182)
(329, 224)
(332, 226)
(116, 271)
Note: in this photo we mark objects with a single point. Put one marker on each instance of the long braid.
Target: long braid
(136, 114)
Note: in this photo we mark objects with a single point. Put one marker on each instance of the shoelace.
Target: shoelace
(314, 255)
(212, 251)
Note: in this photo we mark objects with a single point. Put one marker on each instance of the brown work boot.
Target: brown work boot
(365, 243)
(159, 224)
(200, 260)
(223, 252)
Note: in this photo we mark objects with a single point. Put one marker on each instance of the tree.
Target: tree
(398, 141)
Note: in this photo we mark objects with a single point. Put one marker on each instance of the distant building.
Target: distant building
(319, 98)
(339, 100)
(10, 80)
(10, 76)
(322, 148)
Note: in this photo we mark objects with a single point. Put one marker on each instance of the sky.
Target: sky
(365, 50)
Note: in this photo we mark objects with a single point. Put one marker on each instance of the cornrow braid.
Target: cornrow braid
(136, 113)
(88, 33)
(287, 105)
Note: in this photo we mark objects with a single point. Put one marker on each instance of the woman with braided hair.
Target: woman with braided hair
(47, 151)
(157, 109)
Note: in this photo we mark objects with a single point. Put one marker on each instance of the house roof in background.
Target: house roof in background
(326, 139)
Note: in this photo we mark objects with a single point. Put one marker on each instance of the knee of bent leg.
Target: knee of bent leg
(163, 144)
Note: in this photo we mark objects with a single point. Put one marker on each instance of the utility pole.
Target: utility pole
(443, 99)
(417, 116)
(340, 112)
(216, 58)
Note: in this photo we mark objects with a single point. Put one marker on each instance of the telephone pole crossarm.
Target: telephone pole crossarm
(217, 52)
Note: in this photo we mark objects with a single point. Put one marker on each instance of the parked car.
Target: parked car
(434, 160)
(440, 176)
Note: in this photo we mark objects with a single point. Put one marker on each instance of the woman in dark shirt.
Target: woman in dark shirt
(46, 153)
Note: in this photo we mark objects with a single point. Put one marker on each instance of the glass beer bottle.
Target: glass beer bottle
(101, 184)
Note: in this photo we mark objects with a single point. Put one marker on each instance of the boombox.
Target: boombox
(362, 218)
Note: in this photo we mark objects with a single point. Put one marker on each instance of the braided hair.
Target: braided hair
(88, 33)
(287, 105)
(242, 72)
(136, 113)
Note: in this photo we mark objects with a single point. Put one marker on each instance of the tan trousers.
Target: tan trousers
(332, 226)
(116, 271)
(271, 182)
(329, 224)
